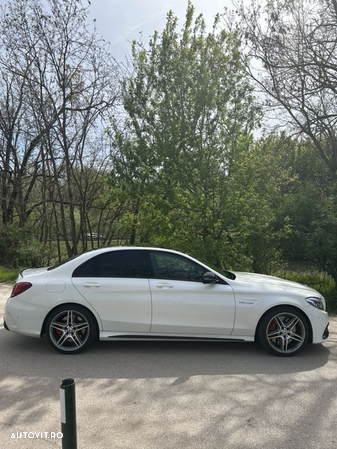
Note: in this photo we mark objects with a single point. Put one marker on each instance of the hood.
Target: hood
(272, 282)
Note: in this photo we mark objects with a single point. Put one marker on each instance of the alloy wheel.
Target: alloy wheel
(286, 333)
(69, 330)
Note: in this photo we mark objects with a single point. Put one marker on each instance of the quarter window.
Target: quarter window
(120, 264)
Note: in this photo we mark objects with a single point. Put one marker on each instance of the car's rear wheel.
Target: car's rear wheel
(70, 329)
(284, 331)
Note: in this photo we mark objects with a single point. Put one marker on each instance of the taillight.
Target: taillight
(20, 287)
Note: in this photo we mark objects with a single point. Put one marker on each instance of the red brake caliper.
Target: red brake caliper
(272, 326)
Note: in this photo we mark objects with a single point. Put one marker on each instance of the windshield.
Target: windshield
(228, 274)
(223, 271)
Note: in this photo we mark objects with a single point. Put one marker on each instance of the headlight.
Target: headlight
(316, 302)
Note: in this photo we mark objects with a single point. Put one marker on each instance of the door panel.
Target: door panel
(192, 308)
(116, 284)
(123, 304)
(182, 304)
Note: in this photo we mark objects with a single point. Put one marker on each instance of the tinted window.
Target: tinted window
(67, 260)
(124, 264)
(175, 267)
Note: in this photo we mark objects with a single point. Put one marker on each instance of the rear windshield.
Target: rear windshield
(68, 260)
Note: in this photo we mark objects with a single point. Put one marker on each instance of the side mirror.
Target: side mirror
(209, 278)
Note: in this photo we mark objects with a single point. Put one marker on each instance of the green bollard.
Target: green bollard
(68, 414)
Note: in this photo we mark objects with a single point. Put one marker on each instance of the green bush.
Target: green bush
(8, 274)
(320, 281)
(20, 248)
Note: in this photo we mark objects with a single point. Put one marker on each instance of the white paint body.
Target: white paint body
(143, 308)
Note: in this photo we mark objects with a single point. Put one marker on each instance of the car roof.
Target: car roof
(149, 248)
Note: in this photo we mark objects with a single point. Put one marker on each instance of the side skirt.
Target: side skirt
(118, 337)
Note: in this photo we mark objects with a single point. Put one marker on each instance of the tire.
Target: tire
(70, 329)
(283, 331)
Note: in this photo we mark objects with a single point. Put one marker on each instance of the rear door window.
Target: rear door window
(118, 264)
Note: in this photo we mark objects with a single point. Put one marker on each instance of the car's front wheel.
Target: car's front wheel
(70, 329)
(283, 331)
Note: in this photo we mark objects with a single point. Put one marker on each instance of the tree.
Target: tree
(189, 115)
(58, 85)
(295, 44)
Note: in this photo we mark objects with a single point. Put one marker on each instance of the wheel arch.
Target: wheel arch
(43, 328)
(289, 306)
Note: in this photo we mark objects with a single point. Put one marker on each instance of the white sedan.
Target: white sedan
(150, 293)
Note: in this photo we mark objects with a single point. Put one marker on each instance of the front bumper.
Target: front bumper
(319, 323)
(325, 335)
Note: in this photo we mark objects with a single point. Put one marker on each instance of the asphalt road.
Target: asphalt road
(161, 395)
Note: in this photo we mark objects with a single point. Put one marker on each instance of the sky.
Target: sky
(119, 22)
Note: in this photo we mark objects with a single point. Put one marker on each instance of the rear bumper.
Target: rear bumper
(24, 318)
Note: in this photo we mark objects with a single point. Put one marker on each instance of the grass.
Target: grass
(8, 274)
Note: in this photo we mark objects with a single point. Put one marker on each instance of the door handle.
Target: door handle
(163, 285)
(91, 284)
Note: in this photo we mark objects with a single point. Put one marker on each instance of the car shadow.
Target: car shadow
(22, 356)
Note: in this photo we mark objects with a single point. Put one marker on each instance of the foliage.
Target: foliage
(8, 274)
(184, 156)
(308, 211)
(317, 280)
(57, 85)
(294, 42)
(17, 250)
